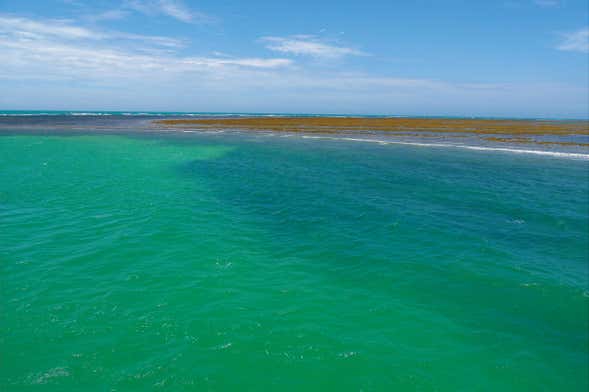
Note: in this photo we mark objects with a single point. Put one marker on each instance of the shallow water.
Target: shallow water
(228, 261)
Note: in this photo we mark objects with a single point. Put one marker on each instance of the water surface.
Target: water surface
(182, 261)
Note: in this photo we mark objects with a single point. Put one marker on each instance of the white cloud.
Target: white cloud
(577, 41)
(308, 45)
(172, 8)
(21, 27)
(176, 10)
(54, 63)
(53, 49)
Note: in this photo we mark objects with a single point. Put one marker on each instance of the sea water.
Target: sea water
(236, 261)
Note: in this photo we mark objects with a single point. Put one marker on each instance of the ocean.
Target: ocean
(133, 258)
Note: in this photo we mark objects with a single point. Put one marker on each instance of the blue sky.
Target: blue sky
(521, 58)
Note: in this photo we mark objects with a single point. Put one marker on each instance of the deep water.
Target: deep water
(186, 261)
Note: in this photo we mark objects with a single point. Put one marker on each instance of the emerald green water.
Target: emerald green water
(235, 262)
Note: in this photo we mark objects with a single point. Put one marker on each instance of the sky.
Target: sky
(512, 58)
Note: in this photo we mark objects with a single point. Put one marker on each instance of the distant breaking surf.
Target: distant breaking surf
(466, 147)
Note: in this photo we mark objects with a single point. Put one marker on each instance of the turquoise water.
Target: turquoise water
(236, 262)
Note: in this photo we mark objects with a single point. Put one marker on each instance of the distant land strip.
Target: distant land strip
(389, 124)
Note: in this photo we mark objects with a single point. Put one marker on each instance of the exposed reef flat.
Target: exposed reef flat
(386, 124)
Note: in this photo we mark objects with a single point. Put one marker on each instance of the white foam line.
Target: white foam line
(89, 114)
(478, 148)
(205, 132)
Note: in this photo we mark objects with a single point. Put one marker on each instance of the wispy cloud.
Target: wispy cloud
(172, 8)
(49, 49)
(308, 45)
(57, 62)
(58, 49)
(176, 10)
(29, 30)
(114, 14)
(576, 41)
